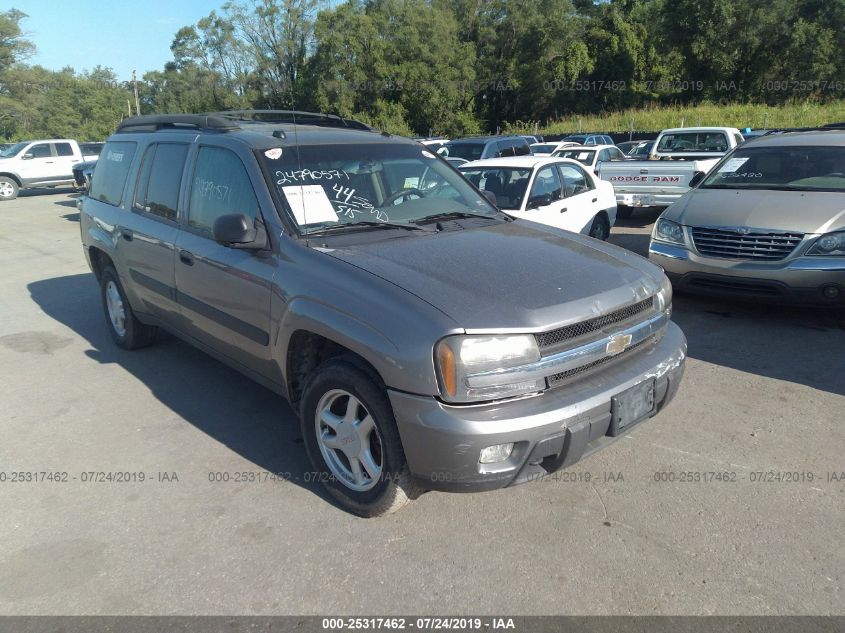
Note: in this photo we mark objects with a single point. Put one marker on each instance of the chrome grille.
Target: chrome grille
(557, 379)
(549, 341)
(758, 245)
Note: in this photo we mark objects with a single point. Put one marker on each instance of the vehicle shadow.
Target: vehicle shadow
(71, 217)
(42, 191)
(635, 242)
(641, 218)
(250, 420)
(793, 344)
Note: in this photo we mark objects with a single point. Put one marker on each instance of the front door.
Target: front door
(224, 292)
(40, 164)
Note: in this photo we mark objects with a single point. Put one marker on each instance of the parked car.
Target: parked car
(589, 139)
(478, 147)
(636, 149)
(82, 173)
(454, 161)
(44, 163)
(595, 157)
(547, 149)
(551, 191)
(531, 139)
(685, 152)
(426, 339)
(768, 223)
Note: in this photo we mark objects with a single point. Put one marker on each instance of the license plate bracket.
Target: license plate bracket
(632, 406)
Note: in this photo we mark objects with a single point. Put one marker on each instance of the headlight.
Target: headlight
(830, 244)
(668, 231)
(664, 295)
(460, 360)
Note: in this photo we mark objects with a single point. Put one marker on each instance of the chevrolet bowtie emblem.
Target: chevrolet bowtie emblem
(618, 343)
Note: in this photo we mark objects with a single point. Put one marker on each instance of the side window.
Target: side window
(157, 190)
(616, 154)
(64, 149)
(522, 148)
(739, 139)
(575, 181)
(221, 186)
(604, 155)
(112, 169)
(42, 150)
(505, 148)
(548, 183)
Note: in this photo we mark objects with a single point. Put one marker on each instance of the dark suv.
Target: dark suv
(426, 339)
(478, 147)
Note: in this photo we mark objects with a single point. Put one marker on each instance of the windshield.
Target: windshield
(641, 149)
(468, 151)
(546, 148)
(585, 157)
(329, 185)
(13, 150)
(693, 142)
(820, 168)
(508, 184)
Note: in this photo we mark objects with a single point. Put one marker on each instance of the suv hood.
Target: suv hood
(517, 276)
(801, 211)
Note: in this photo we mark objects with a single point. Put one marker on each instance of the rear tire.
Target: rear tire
(624, 212)
(600, 229)
(351, 438)
(125, 328)
(8, 188)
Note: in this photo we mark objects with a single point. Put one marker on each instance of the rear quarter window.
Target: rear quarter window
(109, 178)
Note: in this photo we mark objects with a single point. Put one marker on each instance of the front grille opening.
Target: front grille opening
(756, 245)
(742, 287)
(566, 376)
(549, 342)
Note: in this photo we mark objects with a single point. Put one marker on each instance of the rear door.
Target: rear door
(580, 198)
(65, 160)
(147, 235)
(224, 292)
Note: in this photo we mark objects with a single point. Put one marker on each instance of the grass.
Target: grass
(657, 118)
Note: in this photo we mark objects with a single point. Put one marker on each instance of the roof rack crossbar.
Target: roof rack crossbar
(153, 122)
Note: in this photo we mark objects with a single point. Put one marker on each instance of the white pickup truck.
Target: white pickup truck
(42, 163)
(678, 155)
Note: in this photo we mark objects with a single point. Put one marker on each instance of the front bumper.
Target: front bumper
(800, 280)
(443, 443)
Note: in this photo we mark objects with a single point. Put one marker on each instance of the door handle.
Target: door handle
(595, 199)
(127, 234)
(563, 210)
(186, 258)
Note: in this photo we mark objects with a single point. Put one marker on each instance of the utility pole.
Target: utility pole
(129, 106)
(137, 101)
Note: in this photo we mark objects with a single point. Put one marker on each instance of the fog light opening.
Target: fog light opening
(497, 453)
(830, 292)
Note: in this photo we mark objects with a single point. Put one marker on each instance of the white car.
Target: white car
(553, 191)
(547, 149)
(593, 156)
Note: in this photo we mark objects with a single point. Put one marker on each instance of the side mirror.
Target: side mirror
(696, 179)
(235, 230)
(491, 197)
(542, 200)
(27, 156)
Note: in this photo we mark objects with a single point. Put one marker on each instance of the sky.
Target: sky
(116, 33)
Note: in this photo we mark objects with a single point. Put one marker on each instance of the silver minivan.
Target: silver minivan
(767, 223)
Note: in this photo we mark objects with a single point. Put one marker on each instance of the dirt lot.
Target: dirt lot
(681, 517)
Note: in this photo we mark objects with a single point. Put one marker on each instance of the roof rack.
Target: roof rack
(830, 127)
(153, 122)
(292, 116)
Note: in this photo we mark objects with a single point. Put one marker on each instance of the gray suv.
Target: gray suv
(427, 340)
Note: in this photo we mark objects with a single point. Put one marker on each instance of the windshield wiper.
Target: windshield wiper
(337, 228)
(455, 214)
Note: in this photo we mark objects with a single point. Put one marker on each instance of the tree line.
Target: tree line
(447, 66)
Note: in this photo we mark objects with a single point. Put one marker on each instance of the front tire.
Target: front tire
(353, 443)
(125, 328)
(8, 188)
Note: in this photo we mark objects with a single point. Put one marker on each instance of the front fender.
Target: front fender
(407, 368)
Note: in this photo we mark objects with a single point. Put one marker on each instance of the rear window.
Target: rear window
(585, 157)
(110, 176)
(467, 151)
(693, 142)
